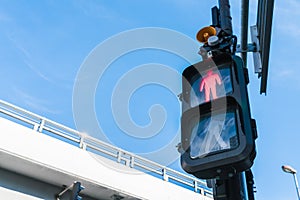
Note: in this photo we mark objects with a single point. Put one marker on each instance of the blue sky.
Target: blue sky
(45, 43)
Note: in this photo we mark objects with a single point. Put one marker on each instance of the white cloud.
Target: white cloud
(36, 71)
(95, 9)
(285, 76)
(4, 17)
(287, 17)
(27, 59)
(35, 103)
(284, 73)
(23, 51)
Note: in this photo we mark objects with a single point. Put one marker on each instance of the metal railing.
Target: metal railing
(88, 143)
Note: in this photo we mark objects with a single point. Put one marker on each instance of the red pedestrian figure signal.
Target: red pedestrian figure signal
(209, 85)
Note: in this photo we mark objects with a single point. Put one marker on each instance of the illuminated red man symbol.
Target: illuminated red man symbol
(208, 83)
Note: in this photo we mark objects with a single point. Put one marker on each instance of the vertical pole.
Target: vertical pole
(230, 189)
(297, 186)
(244, 30)
(250, 184)
(265, 42)
(215, 16)
(225, 17)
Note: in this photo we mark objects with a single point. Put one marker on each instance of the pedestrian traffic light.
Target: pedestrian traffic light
(77, 187)
(217, 130)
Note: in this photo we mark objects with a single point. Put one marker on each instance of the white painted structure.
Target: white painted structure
(34, 165)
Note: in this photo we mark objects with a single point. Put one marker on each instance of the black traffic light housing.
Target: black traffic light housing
(217, 130)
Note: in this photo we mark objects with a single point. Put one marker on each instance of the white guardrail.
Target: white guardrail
(43, 125)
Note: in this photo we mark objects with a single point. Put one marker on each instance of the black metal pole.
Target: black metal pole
(230, 189)
(244, 30)
(266, 44)
(215, 15)
(225, 17)
(250, 184)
